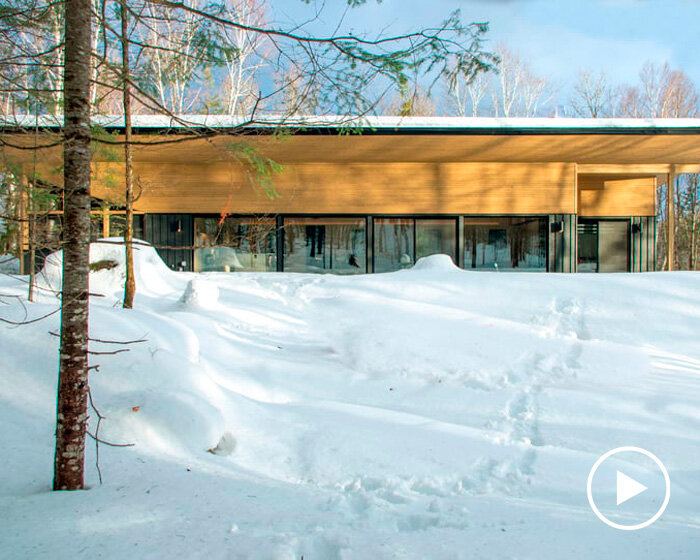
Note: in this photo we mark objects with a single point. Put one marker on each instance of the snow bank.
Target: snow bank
(430, 413)
(200, 293)
(153, 277)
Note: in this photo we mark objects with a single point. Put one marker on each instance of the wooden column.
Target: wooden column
(23, 224)
(671, 220)
(105, 221)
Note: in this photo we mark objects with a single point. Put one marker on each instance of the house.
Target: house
(557, 195)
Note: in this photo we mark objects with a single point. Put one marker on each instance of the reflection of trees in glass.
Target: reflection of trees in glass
(505, 243)
(325, 244)
(255, 234)
(435, 236)
(393, 244)
(232, 243)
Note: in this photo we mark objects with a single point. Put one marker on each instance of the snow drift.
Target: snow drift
(427, 413)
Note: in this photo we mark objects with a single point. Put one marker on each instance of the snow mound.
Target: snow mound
(153, 277)
(354, 417)
(200, 293)
(436, 263)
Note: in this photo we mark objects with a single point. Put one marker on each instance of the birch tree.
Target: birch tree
(519, 92)
(592, 95)
(248, 56)
(467, 95)
(175, 53)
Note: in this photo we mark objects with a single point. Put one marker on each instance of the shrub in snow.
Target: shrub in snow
(106, 264)
(200, 293)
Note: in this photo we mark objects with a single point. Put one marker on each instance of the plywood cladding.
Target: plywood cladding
(579, 148)
(386, 188)
(654, 151)
(607, 196)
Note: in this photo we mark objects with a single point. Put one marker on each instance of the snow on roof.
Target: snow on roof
(418, 124)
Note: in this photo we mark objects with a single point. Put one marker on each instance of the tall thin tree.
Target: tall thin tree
(130, 283)
(71, 413)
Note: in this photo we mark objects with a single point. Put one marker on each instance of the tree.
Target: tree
(179, 40)
(666, 93)
(71, 413)
(176, 49)
(661, 93)
(467, 94)
(130, 281)
(592, 95)
(519, 91)
(248, 57)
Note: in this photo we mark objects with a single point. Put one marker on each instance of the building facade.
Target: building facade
(557, 195)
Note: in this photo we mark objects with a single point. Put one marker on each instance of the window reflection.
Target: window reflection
(399, 242)
(325, 245)
(235, 244)
(506, 243)
(393, 244)
(436, 237)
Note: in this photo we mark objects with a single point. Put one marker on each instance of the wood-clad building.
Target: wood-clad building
(559, 195)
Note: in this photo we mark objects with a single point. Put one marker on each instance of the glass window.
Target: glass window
(506, 243)
(325, 245)
(587, 246)
(393, 244)
(436, 237)
(235, 244)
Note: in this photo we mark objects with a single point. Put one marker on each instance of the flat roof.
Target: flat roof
(382, 125)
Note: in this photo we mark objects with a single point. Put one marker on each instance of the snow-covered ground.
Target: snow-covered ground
(427, 413)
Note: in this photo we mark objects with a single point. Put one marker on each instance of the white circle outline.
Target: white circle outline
(595, 509)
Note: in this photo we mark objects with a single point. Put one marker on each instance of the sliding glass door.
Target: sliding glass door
(232, 244)
(399, 242)
(500, 243)
(325, 245)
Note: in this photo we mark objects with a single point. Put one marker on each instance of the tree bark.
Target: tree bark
(671, 222)
(130, 282)
(71, 413)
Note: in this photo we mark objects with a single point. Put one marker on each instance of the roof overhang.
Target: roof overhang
(640, 146)
(382, 125)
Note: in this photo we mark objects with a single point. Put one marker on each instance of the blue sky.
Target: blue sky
(558, 36)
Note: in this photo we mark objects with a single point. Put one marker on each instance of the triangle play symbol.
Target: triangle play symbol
(627, 488)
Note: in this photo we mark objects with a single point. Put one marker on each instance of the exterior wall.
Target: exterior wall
(358, 188)
(168, 232)
(610, 196)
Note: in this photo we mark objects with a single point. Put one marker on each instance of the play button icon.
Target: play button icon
(627, 487)
(622, 474)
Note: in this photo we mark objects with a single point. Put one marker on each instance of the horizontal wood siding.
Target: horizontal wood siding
(585, 149)
(605, 196)
(363, 188)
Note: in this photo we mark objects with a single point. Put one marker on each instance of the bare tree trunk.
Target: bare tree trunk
(671, 223)
(32, 249)
(71, 414)
(130, 283)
